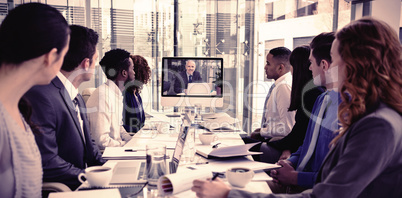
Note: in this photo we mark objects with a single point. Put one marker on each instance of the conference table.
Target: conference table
(151, 134)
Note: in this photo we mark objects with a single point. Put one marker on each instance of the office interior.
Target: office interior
(239, 31)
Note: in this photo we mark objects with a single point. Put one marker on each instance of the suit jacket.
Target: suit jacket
(366, 162)
(65, 152)
(181, 81)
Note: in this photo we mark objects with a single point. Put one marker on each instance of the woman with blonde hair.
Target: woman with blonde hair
(365, 158)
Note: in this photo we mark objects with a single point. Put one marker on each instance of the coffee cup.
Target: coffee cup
(207, 138)
(96, 176)
(239, 176)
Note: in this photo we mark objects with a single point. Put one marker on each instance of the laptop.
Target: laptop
(134, 171)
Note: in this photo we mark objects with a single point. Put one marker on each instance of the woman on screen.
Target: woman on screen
(33, 42)
(134, 116)
(365, 158)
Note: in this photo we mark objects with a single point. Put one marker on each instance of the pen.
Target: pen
(132, 150)
(215, 176)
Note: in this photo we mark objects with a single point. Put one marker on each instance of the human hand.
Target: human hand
(210, 189)
(256, 134)
(285, 175)
(285, 155)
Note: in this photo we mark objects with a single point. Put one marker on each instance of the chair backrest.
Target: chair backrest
(87, 92)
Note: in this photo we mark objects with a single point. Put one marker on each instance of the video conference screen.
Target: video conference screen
(190, 76)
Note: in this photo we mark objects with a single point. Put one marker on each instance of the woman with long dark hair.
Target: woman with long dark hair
(365, 158)
(33, 42)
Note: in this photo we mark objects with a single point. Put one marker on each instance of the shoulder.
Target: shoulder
(384, 123)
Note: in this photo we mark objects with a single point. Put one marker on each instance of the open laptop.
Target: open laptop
(134, 171)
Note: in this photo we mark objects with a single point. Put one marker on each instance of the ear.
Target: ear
(51, 57)
(85, 64)
(124, 73)
(325, 64)
(280, 68)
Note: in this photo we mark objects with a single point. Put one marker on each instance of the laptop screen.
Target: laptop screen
(178, 151)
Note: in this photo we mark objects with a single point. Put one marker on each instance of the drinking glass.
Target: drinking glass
(156, 162)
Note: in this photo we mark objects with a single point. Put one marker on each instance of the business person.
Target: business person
(302, 99)
(365, 158)
(65, 142)
(106, 120)
(31, 57)
(187, 76)
(134, 115)
(277, 121)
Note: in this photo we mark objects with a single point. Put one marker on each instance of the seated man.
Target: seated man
(106, 102)
(299, 172)
(187, 76)
(65, 141)
(276, 121)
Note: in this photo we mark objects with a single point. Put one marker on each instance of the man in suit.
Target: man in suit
(187, 76)
(59, 111)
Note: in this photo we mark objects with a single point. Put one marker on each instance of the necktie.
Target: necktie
(190, 78)
(316, 132)
(264, 117)
(77, 110)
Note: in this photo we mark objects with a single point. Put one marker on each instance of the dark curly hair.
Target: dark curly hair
(142, 73)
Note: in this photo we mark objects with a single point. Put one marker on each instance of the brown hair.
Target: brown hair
(371, 52)
(142, 72)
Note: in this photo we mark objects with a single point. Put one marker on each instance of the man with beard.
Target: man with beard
(105, 105)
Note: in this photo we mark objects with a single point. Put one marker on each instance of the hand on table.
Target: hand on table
(210, 189)
(285, 155)
(285, 175)
(256, 135)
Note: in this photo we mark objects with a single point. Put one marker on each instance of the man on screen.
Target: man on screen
(187, 76)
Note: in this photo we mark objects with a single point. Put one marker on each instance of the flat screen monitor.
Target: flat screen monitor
(187, 81)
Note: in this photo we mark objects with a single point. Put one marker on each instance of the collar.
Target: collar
(72, 91)
(114, 87)
(286, 77)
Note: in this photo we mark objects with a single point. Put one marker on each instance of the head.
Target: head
(277, 63)
(299, 59)
(30, 31)
(370, 53)
(190, 67)
(118, 66)
(82, 53)
(320, 57)
(142, 72)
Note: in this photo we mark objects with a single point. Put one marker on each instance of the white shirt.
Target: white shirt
(105, 113)
(72, 92)
(279, 120)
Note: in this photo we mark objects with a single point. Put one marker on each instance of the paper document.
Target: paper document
(221, 123)
(179, 182)
(99, 193)
(124, 153)
(229, 151)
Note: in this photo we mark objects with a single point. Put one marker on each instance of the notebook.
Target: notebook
(134, 171)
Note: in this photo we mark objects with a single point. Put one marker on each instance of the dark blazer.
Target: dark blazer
(295, 138)
(181, 81)
(133, 113)
(64, 153)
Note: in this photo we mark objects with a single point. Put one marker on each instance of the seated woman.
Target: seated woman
(301, 102)
(133, 113)
(365, 158)
(34, 39)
